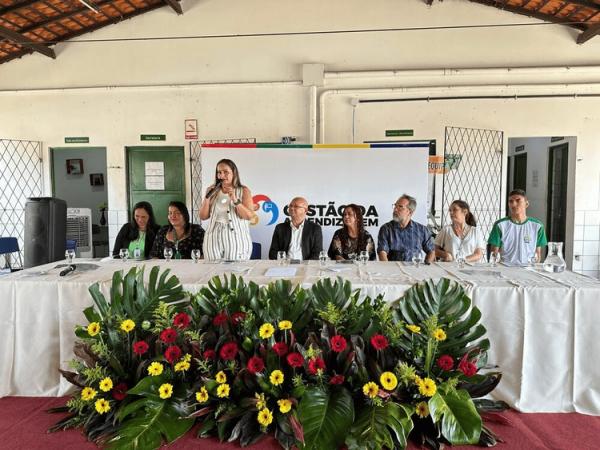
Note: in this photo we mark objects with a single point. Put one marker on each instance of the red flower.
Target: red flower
(140, 347)
(238, 317)
(468, 368)
(172, 353)
(255, 365)
(228, 351)
(445, 362)
(209, 354)
(379, 342)
(182, 320)
(337, 379)
(280, 348)
(295, 359)
(315, 364)
(220, 319)
(168, 335)
(119, 392)
(338, 343)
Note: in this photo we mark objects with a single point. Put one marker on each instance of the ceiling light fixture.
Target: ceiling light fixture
(87, 5)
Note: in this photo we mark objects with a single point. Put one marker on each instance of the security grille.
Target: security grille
(21, 177)
(473, 173)
(196, 169)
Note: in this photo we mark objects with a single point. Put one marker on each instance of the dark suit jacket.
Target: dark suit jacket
(129, 233)
(312, 240)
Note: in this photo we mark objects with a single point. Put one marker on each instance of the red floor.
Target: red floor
(23, 425)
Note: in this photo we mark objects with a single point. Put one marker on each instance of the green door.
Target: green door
(156, 175)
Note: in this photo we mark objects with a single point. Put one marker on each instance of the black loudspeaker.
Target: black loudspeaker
(45, 230)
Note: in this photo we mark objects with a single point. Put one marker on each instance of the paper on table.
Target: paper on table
(281, 272)
(337, 269)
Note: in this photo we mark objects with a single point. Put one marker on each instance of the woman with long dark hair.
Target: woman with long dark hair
(228, 205)
(461, 237)
(180, 235)
(139, 232)
(349, 241)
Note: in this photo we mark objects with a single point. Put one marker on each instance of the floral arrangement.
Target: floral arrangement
(319, 368)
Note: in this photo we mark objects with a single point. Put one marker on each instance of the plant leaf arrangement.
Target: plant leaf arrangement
(319, 368)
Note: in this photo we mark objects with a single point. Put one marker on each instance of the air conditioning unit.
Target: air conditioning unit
(79, 228)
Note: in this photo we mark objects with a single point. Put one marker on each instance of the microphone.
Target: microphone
(212, 190)
(68, 270)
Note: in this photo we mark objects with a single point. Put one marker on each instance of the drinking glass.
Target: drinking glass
(196, 255)
(281, 258)
(124, 254)
(532, 260)
(168, 253)
(70, 255)
(460, 259)
(494, 259)
(417, 259)
(363, 257)
(323, 258)
(137, 253)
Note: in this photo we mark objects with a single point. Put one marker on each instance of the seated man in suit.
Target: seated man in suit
(297, 236)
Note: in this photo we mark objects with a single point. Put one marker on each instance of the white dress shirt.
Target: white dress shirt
(295, 250)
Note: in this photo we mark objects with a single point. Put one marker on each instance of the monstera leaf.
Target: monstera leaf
(338, 293)
(231, 292)
(150, 420)
(131, 298)
(460, 421)
(378, 427)
(282, 300)
(326, 417)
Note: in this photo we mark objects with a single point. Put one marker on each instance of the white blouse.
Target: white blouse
(451, 243)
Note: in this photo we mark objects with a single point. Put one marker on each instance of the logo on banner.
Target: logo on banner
(332, 215)
(263, 202)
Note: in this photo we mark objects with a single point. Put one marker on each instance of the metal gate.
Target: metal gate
(196, 169)
(21, 176)
(473, 173)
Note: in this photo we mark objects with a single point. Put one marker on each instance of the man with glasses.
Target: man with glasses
(401, 239)
(297, 236)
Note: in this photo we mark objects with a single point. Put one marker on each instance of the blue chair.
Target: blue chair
(256, 251)
(8, 246)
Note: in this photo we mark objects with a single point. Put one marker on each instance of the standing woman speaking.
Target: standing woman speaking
(228, 205)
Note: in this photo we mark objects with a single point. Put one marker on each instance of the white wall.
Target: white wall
(223, 81)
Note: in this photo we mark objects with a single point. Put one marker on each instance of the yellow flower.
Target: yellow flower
(388, 381)
(102, 406)
(187, 358)
(165, 390)
(221, 377)
(261, 403)
(427, 387)
(182, 366)
(106, 384)
(285, 405)
(371, 389)
(276, 377)
(439, 335)
(202, 395)
(93, 328)
(285, 325)
(418, 380)
(127, 325)
(414, 328)
(88, 394)
(266, 330)
(265, 417)
(223, 391)
(422, 410)
(155, 369)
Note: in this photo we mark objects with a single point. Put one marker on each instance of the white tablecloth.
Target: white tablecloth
(542, 327)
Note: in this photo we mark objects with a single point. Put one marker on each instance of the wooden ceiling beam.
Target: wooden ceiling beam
(25, 42)
(175, 5)
(591, 32)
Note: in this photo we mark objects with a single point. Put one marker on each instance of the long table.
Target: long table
(542, 326)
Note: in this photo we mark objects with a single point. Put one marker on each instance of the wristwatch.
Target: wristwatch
(237, 202)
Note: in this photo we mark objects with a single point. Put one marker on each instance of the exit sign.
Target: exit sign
(396, 133)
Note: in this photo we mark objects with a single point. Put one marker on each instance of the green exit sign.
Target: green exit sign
(396, 133)
(77, 140)
(153, 137)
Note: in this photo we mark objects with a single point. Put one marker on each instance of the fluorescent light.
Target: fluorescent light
(86, 4)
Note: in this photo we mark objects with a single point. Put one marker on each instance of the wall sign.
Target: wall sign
(153, 137)
(393, 133)
(191, 129)
(519, 148)
(77, 140)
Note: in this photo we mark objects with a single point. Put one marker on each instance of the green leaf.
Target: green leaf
(461, 423)
(326, 417)
(378, 427)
